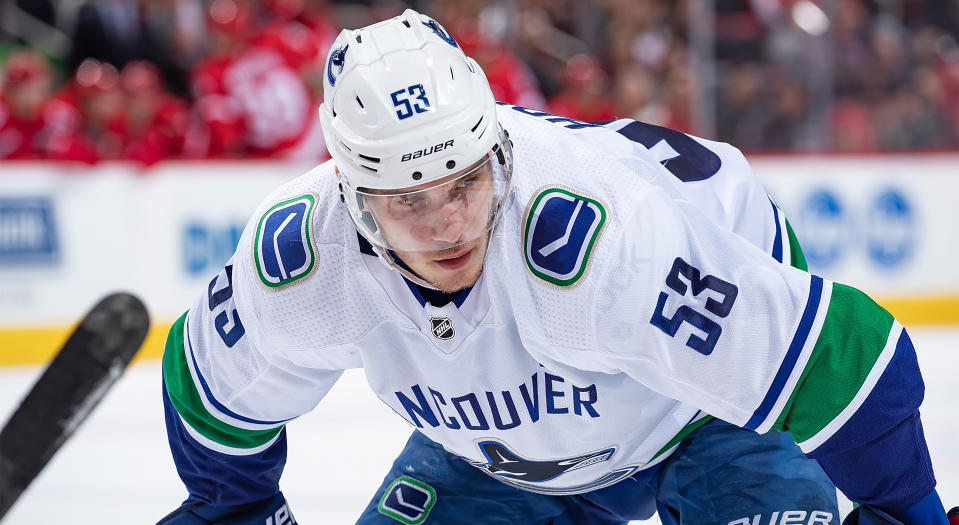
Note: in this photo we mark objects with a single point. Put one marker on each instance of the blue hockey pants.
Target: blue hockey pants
(719, 475)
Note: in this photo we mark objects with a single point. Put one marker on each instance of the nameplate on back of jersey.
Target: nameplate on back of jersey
(282, 249)
(559, 233)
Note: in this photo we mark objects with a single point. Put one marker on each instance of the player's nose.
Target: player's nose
(448, 229)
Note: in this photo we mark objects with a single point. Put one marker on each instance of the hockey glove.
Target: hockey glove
(928, 510)
(273, 511)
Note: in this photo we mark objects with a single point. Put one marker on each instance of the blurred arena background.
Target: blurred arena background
(137, 136)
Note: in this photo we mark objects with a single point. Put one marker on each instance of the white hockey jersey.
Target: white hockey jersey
(640, 280)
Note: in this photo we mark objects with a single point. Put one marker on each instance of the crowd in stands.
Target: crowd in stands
(156, 79)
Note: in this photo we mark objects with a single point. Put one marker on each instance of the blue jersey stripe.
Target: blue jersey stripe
(885, 434)
(792, 354)
(218, 478)
(209, 394)
(778, 241)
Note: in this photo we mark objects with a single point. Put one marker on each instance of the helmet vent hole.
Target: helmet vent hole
(371, 159)
(417, 175)
(478, 122)
(450, 164)
(359, 39)
(406, 23)
(451, 74)
(360, 102)
(344, 146)
(481, 134)
(369, 168)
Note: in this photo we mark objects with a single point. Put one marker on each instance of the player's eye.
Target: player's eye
(406, 205)
(460, 189)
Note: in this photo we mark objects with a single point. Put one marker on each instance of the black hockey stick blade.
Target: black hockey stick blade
(90, 362)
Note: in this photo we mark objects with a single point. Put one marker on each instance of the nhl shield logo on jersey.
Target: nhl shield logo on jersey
(283, 250)
(407, 500)
(442, 328)
(559, 234)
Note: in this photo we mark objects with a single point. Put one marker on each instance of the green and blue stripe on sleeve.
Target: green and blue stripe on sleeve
(840, 349)
(205, 418)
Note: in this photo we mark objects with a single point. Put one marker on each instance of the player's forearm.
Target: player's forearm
(221, 459)
(219, 478)
(874, 449)
(893, 473)
(855, 408)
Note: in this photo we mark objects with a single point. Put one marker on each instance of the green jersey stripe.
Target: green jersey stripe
(681, 435)
(796, 257)
(188, 402)
(225, 449)
(795, 375)
(877, 370)
(853, 336)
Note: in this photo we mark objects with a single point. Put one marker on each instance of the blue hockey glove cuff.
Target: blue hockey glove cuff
(928, 510)
(273, 511)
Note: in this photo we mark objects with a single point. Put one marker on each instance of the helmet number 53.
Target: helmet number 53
(401, 101)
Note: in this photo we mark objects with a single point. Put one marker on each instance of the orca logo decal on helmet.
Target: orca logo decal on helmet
(440, 32)
(337, 59)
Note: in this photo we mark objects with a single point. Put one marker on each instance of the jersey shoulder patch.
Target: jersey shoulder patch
(283, 246)
(559, 232)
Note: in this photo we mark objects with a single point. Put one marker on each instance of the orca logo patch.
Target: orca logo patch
(510, 467)
(337, 61)
(407, 500)
(559, 233)
(283, 250)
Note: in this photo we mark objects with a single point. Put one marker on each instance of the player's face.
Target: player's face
(444, 224)
(450, 270)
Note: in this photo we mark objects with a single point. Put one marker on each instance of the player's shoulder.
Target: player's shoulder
(309, 202)
(292, 224)
(575, 204)
(293, 261)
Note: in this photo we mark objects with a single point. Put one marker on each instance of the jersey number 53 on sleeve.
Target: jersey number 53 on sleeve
(719, 308)
(231, 336)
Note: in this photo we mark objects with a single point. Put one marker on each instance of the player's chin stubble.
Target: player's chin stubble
(448, 281)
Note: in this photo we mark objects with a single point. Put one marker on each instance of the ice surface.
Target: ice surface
(117, 468)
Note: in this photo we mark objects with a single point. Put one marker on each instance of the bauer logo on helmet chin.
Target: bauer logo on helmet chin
(426, 151)
(440, 32)
(337, 61)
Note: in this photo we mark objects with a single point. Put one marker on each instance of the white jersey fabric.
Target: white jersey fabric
(557, 383)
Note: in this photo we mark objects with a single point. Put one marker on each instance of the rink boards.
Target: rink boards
(69, 234)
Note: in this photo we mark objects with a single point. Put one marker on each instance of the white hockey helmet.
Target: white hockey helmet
(410, 122)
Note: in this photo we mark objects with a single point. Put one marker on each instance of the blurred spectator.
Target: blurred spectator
(583, 95)
(250, 97)
(108, 30)
(27, 86)
(175, 38)
(156, 121)
(154, 79)
(637, 95)
(509, 77)
(742, 116)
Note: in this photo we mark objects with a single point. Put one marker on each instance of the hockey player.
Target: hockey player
(583, 323)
